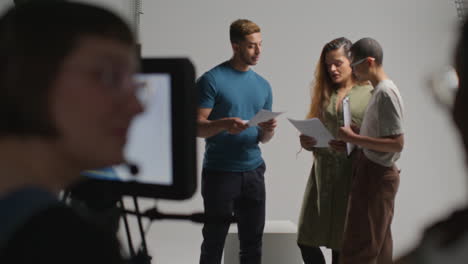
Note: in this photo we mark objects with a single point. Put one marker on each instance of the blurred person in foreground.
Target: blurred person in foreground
(447, 240)
(68, 98)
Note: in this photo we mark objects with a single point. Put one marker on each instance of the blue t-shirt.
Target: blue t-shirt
(232, 93)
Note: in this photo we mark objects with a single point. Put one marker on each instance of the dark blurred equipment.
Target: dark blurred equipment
(162, 140)
(19, 2)
(167, 170)
(170, 137)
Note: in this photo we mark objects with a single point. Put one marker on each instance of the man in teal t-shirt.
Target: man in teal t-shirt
(233, 168)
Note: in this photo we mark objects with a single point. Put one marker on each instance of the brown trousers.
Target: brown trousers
(368, 237)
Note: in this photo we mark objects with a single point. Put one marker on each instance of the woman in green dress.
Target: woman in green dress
(324, 206)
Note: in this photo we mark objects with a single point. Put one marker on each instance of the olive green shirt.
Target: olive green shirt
(323, 213)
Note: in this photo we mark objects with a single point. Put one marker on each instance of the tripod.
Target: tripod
(106, 209)
(141, 256)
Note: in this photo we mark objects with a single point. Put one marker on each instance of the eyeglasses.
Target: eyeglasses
(145, 90)
(117, 81)
(124, 84)
(358, 62)
(443, 85)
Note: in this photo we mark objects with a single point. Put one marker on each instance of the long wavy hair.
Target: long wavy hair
(322, 86)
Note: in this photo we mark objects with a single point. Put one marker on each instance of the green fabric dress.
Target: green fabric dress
(323, 213)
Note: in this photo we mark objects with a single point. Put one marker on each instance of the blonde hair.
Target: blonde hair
(322, 86)
(241, 28)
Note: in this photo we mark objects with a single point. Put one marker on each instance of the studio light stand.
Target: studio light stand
(152, 214)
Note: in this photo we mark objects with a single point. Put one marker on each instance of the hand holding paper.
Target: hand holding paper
(268, 126)
(346, 133)
(262, 116)
(338, 145)
(313, 128)
(307, 142)
(234, 125)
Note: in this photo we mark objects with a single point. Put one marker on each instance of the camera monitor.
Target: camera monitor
(161, 142)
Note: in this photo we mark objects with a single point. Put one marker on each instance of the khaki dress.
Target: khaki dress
(323, 213)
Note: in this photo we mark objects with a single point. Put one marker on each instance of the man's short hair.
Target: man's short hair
(241, 28)
(35, 39)
(367, 47)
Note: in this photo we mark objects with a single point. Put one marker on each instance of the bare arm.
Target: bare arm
(383, 144)
(208, 128)
(267, 130)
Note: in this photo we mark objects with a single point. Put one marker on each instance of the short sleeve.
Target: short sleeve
(207, 91)
(390, 115)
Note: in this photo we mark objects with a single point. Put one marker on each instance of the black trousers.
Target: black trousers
(241, 194)
(314, 255)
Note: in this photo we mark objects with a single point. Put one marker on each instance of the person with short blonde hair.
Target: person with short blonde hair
(241, 28)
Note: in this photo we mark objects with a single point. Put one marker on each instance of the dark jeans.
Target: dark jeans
(241, 194)
(313, 255)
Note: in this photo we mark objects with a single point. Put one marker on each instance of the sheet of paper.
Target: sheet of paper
(347, 122)
(313, 128)
(262, 116)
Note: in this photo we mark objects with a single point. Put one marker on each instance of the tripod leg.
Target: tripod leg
(142, 256)
(127, 229)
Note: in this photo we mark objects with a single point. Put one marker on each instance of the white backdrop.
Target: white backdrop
(417, 37)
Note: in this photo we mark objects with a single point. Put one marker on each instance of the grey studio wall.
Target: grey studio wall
(417, 37)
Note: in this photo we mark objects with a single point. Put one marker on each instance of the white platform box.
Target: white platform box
(279, 244)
